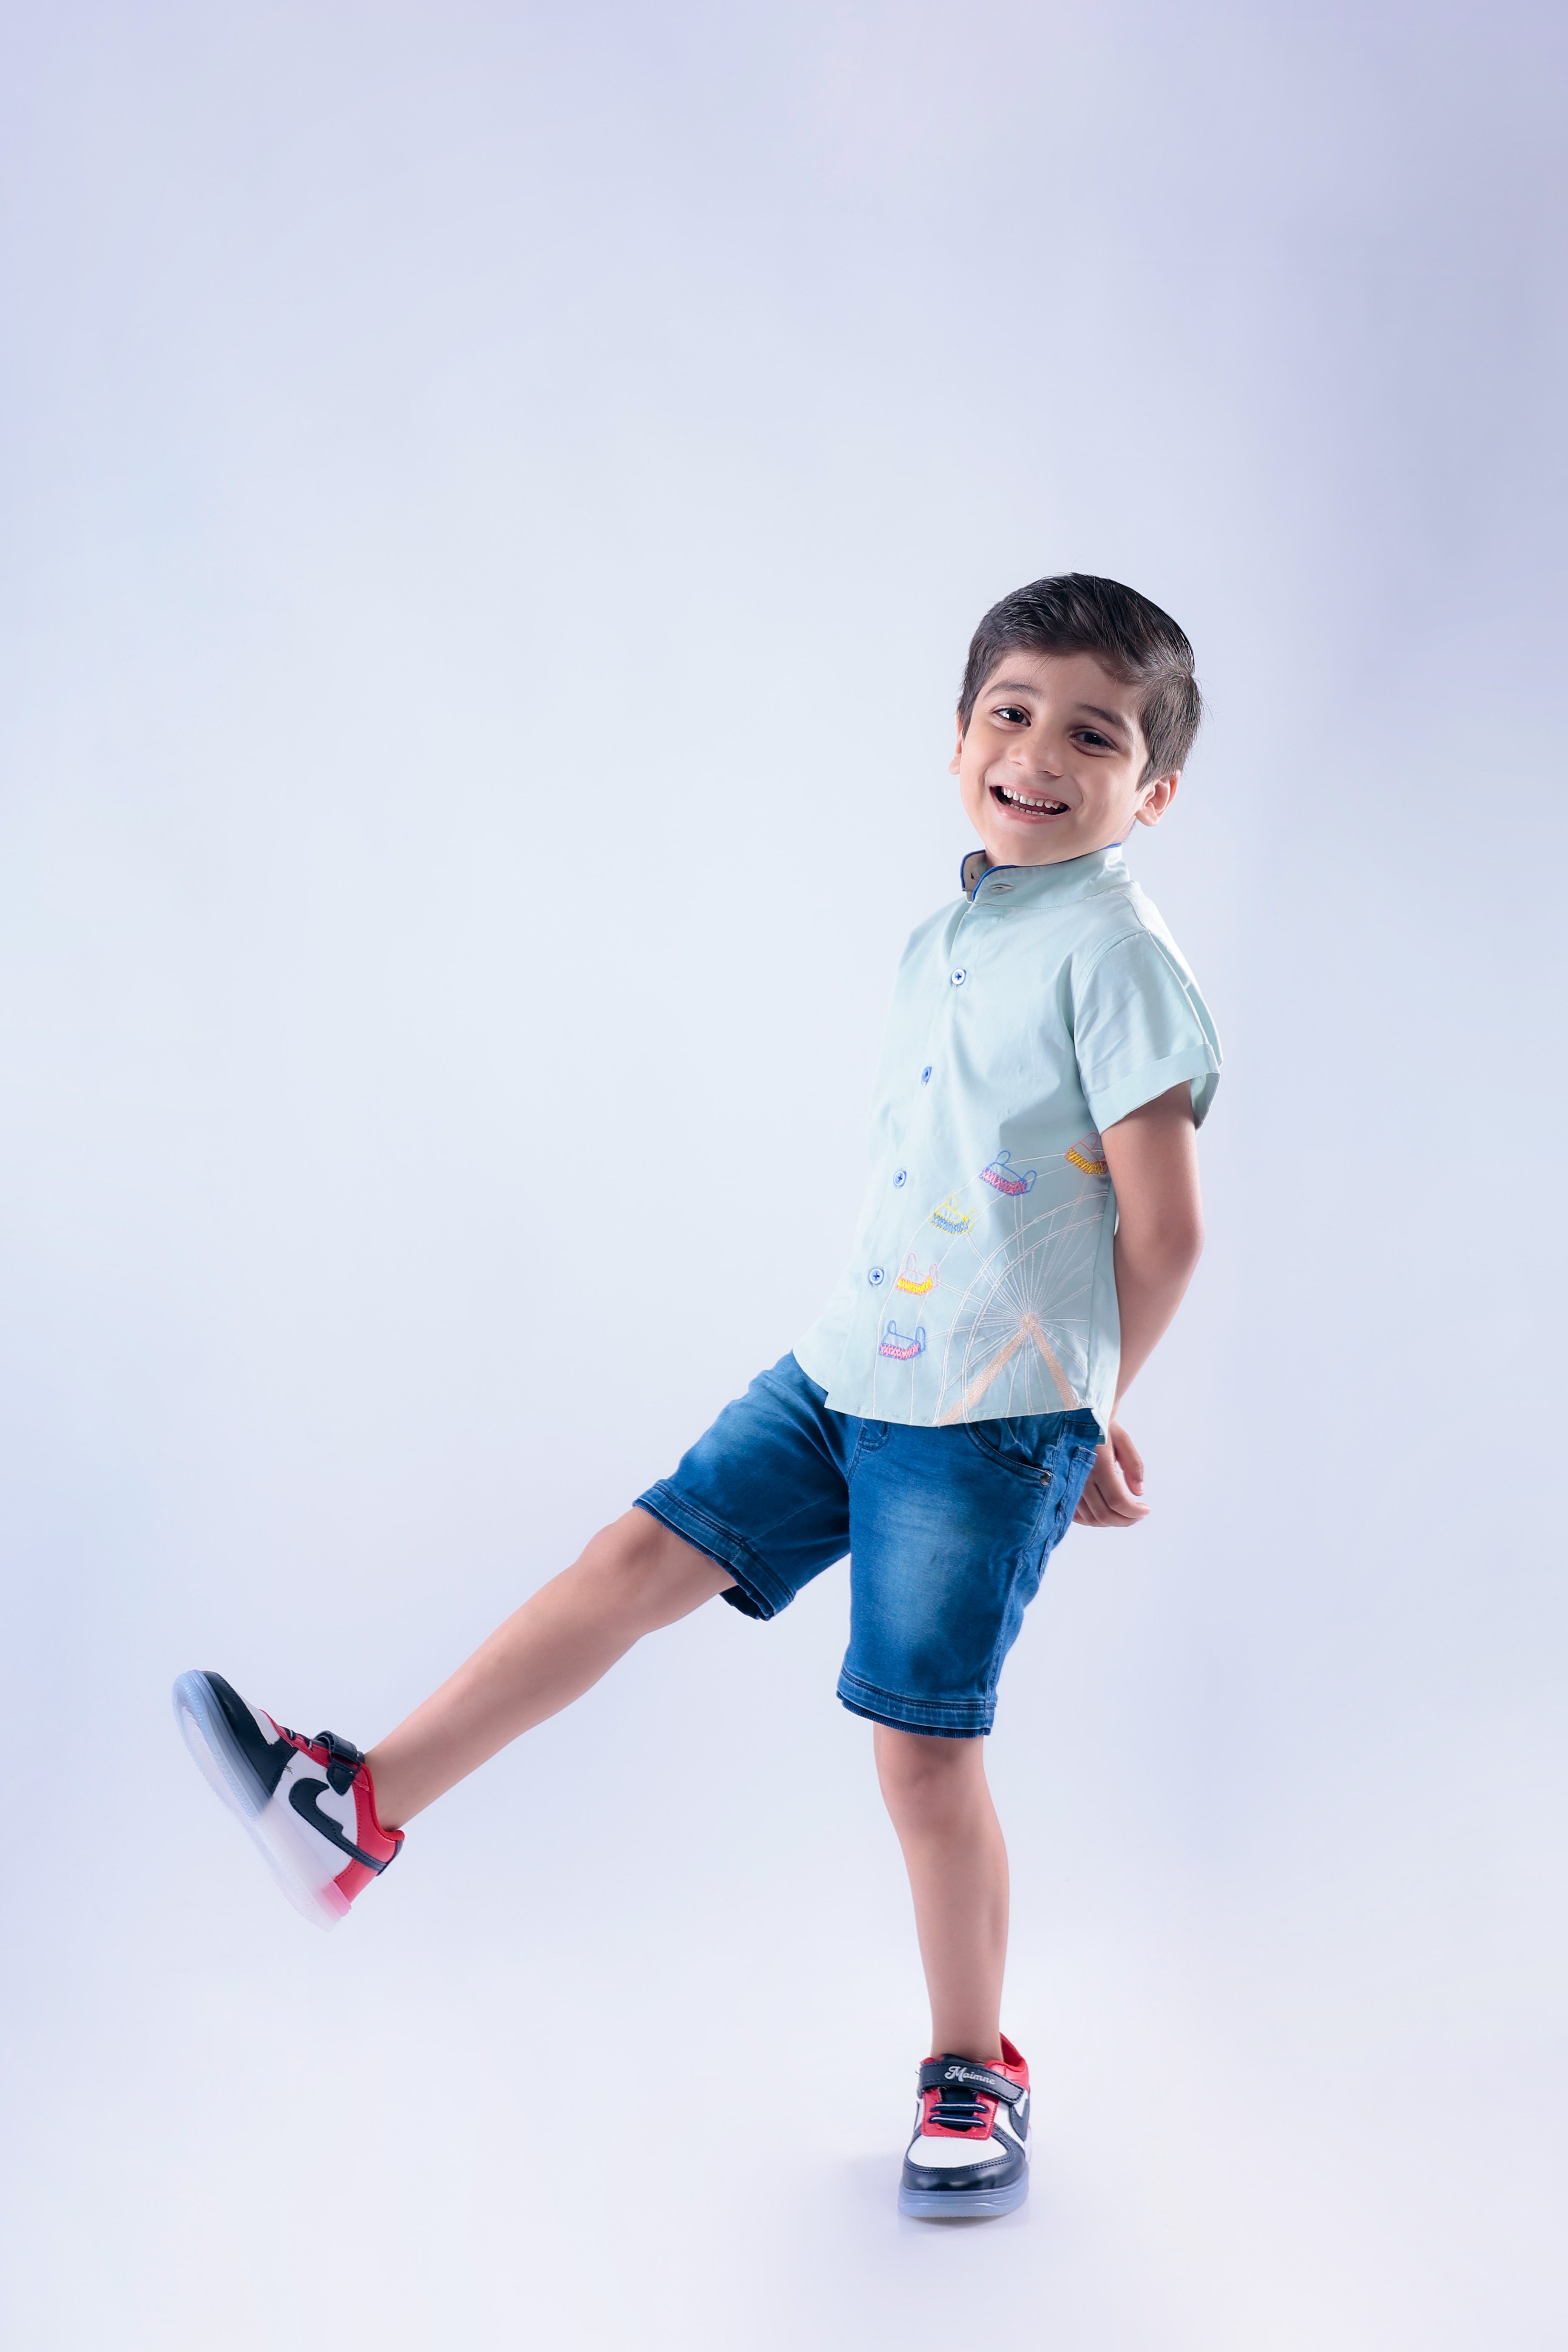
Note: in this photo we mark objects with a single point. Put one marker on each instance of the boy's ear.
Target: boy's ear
(1160, 792)
(953, 764)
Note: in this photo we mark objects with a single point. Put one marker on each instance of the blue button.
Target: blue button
(900, 1180)
(960, 976)
(875, 1276)
(925, 1075)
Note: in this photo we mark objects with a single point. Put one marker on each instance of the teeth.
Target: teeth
(1019, 801)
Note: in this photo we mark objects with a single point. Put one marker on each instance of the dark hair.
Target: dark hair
(1077, 613)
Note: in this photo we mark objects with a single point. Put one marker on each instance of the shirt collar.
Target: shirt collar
(1074, 877)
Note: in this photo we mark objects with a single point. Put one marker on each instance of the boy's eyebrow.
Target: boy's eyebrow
(1111, 718)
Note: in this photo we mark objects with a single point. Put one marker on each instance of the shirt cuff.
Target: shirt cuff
(1196, 1065)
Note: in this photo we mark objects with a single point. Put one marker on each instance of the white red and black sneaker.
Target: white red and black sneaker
(969, 2154)
(307, 1803)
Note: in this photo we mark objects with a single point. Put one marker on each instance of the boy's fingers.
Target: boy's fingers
(1101, 1490)
(1109, 1518)
(1090, 1511)
(1128, 1461)
(1107, 1501)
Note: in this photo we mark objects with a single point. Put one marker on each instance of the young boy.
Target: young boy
(1031, 1224)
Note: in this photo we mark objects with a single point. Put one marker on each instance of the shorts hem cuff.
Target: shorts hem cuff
(941, 1718)
(756, 1579)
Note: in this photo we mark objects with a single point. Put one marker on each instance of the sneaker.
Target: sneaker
(307, 1803)
(969, 2154)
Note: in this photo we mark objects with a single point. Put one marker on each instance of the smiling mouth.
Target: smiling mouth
(1021, 804)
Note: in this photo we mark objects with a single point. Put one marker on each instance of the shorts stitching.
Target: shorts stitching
(866, 1443)
(728, 1550)
(902, 1713)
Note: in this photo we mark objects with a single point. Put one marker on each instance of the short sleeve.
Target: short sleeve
(1140, 1027)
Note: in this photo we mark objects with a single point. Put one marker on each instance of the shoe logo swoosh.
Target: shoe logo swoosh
(305, 1797)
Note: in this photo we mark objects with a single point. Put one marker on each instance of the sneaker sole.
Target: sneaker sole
(287, 1848)
(964, 2204)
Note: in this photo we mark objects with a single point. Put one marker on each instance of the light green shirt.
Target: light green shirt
(1044, 1005)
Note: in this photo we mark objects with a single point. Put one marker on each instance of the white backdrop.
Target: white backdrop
(495, 497)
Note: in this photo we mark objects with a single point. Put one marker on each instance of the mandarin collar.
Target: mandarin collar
(1034, 885)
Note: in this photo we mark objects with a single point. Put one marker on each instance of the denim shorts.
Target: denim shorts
(948, 1531)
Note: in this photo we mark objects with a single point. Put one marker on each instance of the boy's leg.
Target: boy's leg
(634, 1577)
(936, 1792)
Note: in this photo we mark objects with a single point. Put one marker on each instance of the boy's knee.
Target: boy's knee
(923, 1777)
(649, 1570)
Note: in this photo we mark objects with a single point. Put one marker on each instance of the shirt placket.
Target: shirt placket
(958, 979)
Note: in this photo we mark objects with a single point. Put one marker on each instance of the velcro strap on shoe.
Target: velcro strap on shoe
(346, 1760)
(957, 2075)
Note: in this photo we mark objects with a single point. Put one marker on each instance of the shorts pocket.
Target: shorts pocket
(1000, 1442)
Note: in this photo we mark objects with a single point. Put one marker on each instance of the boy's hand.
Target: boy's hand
(1114, 1494)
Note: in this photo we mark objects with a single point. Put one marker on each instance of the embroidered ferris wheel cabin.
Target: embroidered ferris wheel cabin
(1047, 1003)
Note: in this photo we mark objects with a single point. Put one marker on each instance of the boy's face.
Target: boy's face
(1050, 766)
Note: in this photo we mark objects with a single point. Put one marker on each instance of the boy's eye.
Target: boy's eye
(1092, 735)
(1011, 712)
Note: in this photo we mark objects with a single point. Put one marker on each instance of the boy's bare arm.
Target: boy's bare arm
(1153, 1162)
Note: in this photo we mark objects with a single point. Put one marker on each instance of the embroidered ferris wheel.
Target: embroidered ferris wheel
(1019, 1341)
